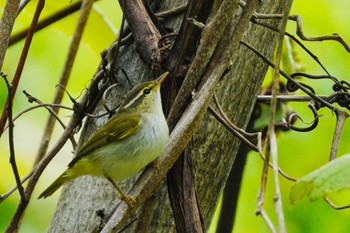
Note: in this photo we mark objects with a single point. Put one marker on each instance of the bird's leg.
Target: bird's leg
(128, 199)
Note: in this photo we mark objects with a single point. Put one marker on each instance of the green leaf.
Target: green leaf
(330, 178)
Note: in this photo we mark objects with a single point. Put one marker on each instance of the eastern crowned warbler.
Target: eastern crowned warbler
(129, 141)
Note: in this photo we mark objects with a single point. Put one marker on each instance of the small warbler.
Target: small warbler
(129, 141)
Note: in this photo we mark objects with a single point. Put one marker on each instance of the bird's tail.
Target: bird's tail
(56, 185)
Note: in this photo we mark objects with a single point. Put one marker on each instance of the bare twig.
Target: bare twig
(232, 129)
(180, 179)
(22, 60)
(260, 200)
(300, 33)
(283, 173)
(84, 14)
(334, 36)
(341, 116)
(73, 7)
(22, 4)
(85, 104)
(113, 51)
(334, 206)
(292, 80)
(106, 20)
(313, 123)
(14, 224)
(49, 107)
(104, 98)
(294, 39)
(287, 98)
(6, 24)
(196, 23)
(208, 43)
(43, 105)
(11, 141)
(229, 124)
(187, 125)
(75, 120)
(271, 145)
(271, 135)
(312, 76)
(172, 12)
(188, 35)
(144, 31)
(13, 189)
(267, 220)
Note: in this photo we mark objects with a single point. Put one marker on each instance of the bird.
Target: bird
(129, 141)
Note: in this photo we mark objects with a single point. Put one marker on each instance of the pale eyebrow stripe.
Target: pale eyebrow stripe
(133, 100)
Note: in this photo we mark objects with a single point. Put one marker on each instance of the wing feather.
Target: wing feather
(117, 128)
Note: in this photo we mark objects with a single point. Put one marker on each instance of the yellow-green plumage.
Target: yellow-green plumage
(129, 141)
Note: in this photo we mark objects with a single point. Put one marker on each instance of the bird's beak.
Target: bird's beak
(161, 79)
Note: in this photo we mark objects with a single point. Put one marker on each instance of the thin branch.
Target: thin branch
(341, 116)
(294, 39)
(113, 51)
(14, 188)
(181, 134)
(300, 33)
(73, 7)
(283, 173)
(271, 145)
(7, 21)
(43, 105)
(84, 14)
(205, 50)
(223, 114)
(288, 98)
(85, 104)
(172, 12)
(73, 123)
(180, 179)
(144, 31)
(334, 36)
(106, 20)
(271, 135)
(312, 76)
(182, 49)
(14, 224)
(334, 206)
(232, 128)
(11, 141)
(22, 60)
(300, 86)
(22, 4)
(229, 124)
(49, 107)
(267, 220)
(313, 123)
(260, 200)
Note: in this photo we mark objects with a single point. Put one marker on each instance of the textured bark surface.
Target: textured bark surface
(212, 149)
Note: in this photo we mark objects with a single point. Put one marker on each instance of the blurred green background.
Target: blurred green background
(299, 153)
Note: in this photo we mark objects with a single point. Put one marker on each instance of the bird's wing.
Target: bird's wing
(117, 128)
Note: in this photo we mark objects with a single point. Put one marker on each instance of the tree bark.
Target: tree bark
(86, 201)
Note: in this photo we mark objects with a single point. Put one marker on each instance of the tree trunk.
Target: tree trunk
(86, 201)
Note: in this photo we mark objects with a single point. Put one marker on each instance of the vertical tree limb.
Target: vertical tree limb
(24, 53)
(6, 24)
(78, 33)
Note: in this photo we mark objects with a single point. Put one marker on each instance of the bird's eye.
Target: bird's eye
(146, 91)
